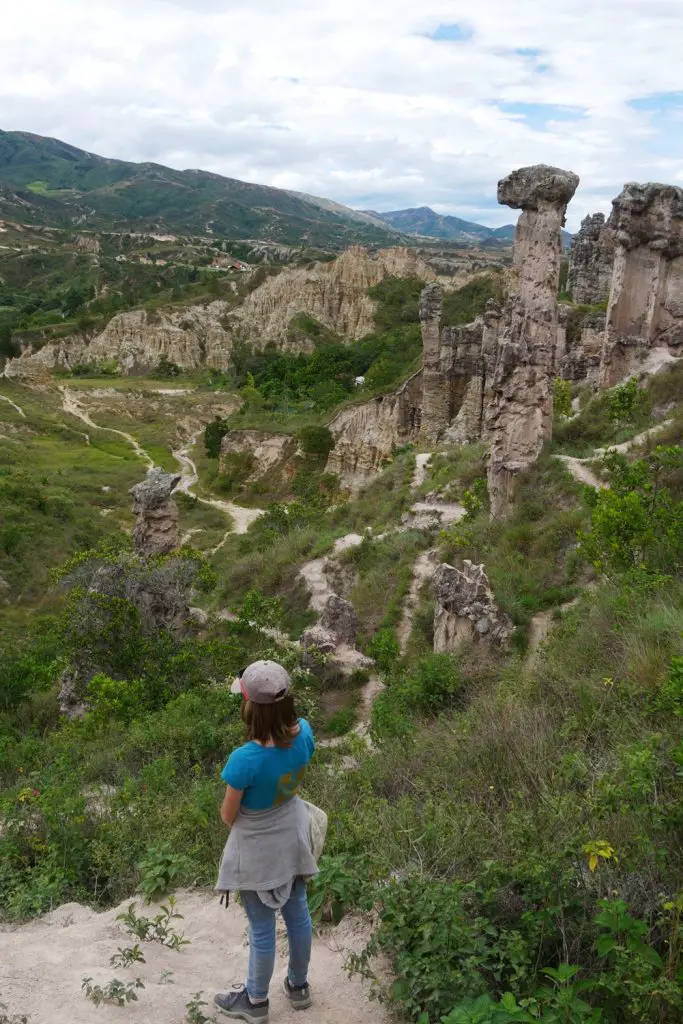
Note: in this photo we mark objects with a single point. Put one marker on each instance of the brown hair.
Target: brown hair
(274, 722)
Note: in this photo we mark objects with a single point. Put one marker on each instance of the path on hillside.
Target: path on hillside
(17, 408)
(580, 468)
(240, 516)
(72, 406)
(44, 962)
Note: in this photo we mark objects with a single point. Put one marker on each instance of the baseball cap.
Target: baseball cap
(263, 682)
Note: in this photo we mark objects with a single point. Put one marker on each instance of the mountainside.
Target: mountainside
(424, 221)
(46, 181)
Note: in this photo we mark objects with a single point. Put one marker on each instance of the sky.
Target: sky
(378, 104)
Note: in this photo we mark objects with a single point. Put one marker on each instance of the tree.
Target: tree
(316, 441)
(214, 433)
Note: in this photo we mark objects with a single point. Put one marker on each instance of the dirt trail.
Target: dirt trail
(581, 471)
(44, 962)
(72, 406)
(17, 408)
(423, 570)
(580, 468)
(421, 463)
(626, 446)
(242, 517)
(447, 511)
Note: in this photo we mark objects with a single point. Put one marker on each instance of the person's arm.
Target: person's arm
(231, 805)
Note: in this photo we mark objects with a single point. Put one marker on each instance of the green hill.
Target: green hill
(46, 181)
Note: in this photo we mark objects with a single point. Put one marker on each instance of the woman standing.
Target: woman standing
(269, 854)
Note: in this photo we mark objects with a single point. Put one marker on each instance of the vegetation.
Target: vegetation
(516, 826)
(66, 185)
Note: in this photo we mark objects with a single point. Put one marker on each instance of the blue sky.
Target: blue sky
(386, 104)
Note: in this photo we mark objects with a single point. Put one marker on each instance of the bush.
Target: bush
(214, 433)
(637, 524)
(316, 441)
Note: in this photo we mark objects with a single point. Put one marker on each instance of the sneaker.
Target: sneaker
(239, 1006)
(298, 995)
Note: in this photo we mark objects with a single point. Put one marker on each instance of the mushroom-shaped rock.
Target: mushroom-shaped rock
(529, 188)
(156, 526)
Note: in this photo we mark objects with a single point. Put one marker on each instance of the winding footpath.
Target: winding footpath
(17, 408)
(240, 518)
(73, 407)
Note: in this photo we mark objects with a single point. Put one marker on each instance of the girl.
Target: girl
(269, 852)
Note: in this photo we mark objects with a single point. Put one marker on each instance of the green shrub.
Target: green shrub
(626, 401)
(316, 441)
(160, 870)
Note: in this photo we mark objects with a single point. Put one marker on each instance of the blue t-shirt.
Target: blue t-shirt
(269, 776)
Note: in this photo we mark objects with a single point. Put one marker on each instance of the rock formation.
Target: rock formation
(646, 302)
(590, 261)
(264, 452)
(578, 357)
(335, 294)
(136, 341)
(156, 525)
(466, 608)
(435, 397)
(366, 435)
(519, 392)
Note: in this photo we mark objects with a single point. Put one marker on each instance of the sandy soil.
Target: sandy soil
(43, 963)
(421, 463)
(424, 569)
(582, 472)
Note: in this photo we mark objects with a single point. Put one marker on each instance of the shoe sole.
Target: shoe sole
(242, 1015)
(297, 1004)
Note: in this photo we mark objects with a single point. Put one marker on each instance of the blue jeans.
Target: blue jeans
(262, 939)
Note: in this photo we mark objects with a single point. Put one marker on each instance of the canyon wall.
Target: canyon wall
(366, 435)
(192, 336)
(335, 294)
(646, 303)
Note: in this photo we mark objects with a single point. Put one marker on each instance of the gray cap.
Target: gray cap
(263, 682)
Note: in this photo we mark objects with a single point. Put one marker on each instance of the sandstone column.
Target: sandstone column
(590, 261)
(435, 384)
(156, 525)
(646, 302)
(520, 391)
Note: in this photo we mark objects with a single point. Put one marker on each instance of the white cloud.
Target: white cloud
(354, 101)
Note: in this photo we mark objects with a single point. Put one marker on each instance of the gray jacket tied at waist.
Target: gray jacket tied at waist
(268, 849)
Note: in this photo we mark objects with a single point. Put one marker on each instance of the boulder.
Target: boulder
(466, 608)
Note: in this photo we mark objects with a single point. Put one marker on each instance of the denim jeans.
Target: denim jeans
(262, 939)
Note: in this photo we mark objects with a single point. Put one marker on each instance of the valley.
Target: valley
(444, 488)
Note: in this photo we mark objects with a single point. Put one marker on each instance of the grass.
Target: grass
(530, 558)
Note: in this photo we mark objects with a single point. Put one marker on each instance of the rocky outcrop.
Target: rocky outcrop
(466, 608)
(366, 435)
(435, 403)
(519, 391)
(156, 523)
(335, 294)
(264, 451)
(136, 341)
(646, 303)
(581, 356)
(590, 261)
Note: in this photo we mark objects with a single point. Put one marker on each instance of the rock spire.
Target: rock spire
(518, 403)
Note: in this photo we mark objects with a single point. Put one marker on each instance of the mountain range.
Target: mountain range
(425, 222)
(45, 181)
